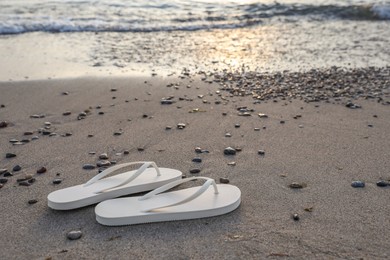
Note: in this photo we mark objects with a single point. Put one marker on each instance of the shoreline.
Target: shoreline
(323, 145)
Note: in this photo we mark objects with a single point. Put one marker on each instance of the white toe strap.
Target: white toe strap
(170, 185)
(104, 173)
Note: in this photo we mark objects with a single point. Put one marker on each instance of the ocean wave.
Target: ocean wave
(95, 16)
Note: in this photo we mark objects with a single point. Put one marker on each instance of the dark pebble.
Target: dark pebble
(237, 125)
(296, 185)
(144, 116)
(352, 105)
(101, 113)
(113, 89)
(32, 180)
(7, 174)
(117, 133)
(261, 152)
(229, 151)
(198, 150)
(126, 152)
(167, 102)
(3, 180)
(224, 180)
(3, 171)
(74, 234)
(10, 155)
(45, 132)
(370, 125)
(32, 202)
(42, 170)
(57, 181)
(2, 106)
(358, 184)
(24, 183)
(197, 159)
(1, 185)
(295, 217)
(282, 121)
(168, 127)
(66, 113)
(3, 124)
(140, 149)
(88, 167)
(90, 135)
(195, 171)
(16, 168)
(28, 133)
(382, 183)
(103, 163)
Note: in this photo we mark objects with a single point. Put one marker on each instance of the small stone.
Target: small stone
(228, 135)
(358, 184)
(42, 170)
(261, 152)
(370, 125)
(57, 181)
(229, 151)
(352, 105)
(74, 234)
(296, 185)
(16, 168)
(282, 121)
(382, 183)
(7, 174)
(166, 102)
(24, 183)
(103, 163)
(52, 134)
(195, 171)
(28, 133)
(10, 155)
(224, 180)
(45, 132)
(1, 185)
(90, 135)
(66, 113)
(181, 125)
(244, 114)
(237, 125)
(238, 149)
(144, 116)
(32, 202)
(32, 180)
(92, 153)
(232, 163)
(198, 150)
(261, 115)
(295, 217)
(126, 152)
(224, 114)
(3, 171)
(117, 133)
(168, 127)
(197, 159)
(257, 129)
(140, 149)
(113, 89)
(3, 124)
(13, 140)
(103, 156)
(65, 93)
(101, 113)
(3, 180)
(35, 138)
(47, 124)
(88, 167)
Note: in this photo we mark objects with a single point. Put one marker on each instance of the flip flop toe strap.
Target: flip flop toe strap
(140, 170)
(200, 191)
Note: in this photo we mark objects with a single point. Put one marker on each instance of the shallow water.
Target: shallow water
(40, 38)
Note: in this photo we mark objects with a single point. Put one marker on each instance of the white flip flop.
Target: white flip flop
(208, 200)
(98, 189)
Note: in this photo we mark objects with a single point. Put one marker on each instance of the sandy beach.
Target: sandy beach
(323, 146)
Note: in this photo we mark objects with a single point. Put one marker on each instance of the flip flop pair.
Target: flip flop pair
(208, 200)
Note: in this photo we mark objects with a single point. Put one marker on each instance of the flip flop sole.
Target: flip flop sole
(129, 211)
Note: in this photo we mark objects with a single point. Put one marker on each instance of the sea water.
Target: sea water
(53, 38)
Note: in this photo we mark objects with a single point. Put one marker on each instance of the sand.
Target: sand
(327, 148)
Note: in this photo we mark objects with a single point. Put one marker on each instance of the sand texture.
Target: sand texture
(324, 148)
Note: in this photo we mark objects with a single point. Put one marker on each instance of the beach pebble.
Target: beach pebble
(103, 156)
(3, 180)
(57, 181)
(195, 171)
(24, 183)
(35, 138)
(88, 167)
(42, 170)
(198, 150)
(32, 202)
(261, 115)
(296, 185)
(13, 140)
(166, 102)
(224, 180)
(3, 171)
(232, 163)
(65, 93)
(237, 125)
(282, 121)
(10, 155)
(74, 234)
(229, 151)
(16, 168)
(358, 184)
(228, 135)
(140, 149)
(352, 105)
(257, 129)
(117, 133)
(197, 159)
(90, 135)
(126, 152)
(1, 185)
(101, 113)
(7, 174)
(66, 113)
(181, 125)
(28, 133)
(382, 183)
(168, 127)
(103, 163)
(295, 217)
(113, 89)
(261, 152)
(3, 124)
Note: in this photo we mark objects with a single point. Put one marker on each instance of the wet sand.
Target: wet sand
(325, 148)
